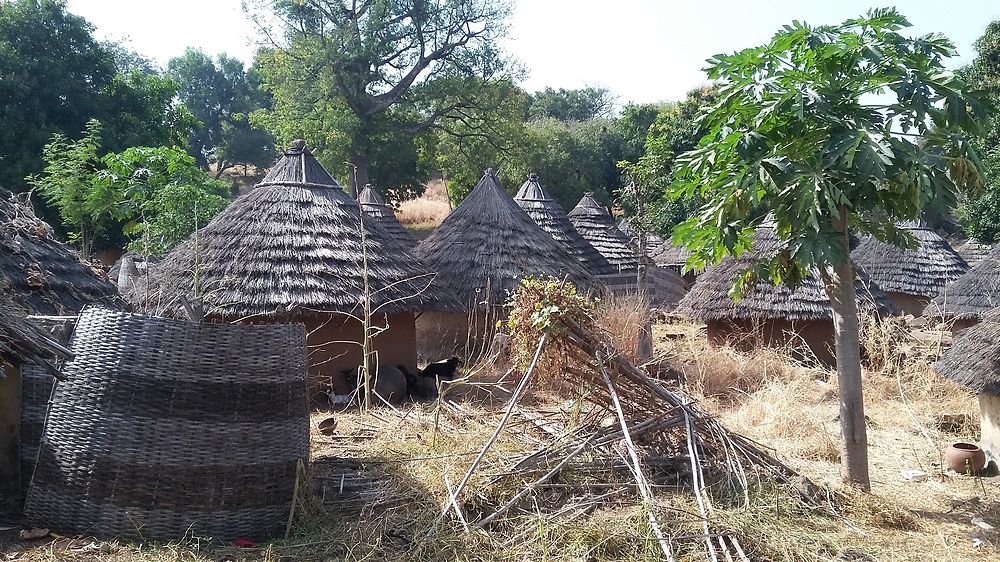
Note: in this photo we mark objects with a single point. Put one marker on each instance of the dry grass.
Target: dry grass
(623, 318)
(421, 450)
(423, 214)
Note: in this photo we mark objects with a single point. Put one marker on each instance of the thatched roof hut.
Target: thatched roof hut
(488, 244)
(552, 218)
(294, 243)
(973, 251)
(375, 208)
(776, 308)
(911, 278)
(597, 226)
(295, 249)
(40, 273)
(973, 360)
(972, 295)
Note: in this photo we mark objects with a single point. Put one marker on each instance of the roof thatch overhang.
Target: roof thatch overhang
(973, 294)
(552, 218)
(663, 252)
(488, 244)
(973, 251)
(974, 358)
(921, 272)
(597, 226)
(709, 298)
(41, 274)
(294, 245)
(376, 209)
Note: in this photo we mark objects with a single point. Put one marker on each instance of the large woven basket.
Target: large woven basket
(168, 428)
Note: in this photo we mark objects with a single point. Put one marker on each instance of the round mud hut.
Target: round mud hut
(973, 360)
(769, 314)
(481, 252)
(376, 209)
(295, 249)
(663, 252)
(965, 301)
(911, 278)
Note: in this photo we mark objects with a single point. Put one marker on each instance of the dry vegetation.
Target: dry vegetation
(407, 460)
(423, 214)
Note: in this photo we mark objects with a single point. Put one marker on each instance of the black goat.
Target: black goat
(416, 387)
(442, 369)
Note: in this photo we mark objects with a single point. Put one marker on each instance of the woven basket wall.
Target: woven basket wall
(36, 388)
(166, 428)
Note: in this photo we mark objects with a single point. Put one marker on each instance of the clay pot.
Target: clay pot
(965, 458)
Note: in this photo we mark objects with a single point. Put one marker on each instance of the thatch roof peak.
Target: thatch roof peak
(709, 298)
(293, 244)
(369, 196)
(973, 294)
(923, 272)
(488, 244)
(376, 209)
(297, 166)
(974, 358)
(552, 218)
(973, 251)
(598, 227)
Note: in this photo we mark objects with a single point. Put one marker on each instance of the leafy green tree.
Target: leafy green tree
(54, 77)
(155, 195)
(66, 183)
(796, 133)
(222, 94)
(358, 75)
(570, 105)
(980, 215)
(161, 193)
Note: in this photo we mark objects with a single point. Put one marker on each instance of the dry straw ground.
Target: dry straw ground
(408, 459)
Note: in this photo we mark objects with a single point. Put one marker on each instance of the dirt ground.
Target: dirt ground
(401, 463)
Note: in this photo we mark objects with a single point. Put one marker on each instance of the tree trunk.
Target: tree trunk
(839, 282)
(644, 347)
(359, 174)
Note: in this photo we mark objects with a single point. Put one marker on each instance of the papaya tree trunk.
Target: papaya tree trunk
(839, 281)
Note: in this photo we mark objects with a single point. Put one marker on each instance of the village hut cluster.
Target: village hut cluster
(307, 289)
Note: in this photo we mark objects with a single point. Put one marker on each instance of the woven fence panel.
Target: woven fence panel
(36, 388)
(166, 428)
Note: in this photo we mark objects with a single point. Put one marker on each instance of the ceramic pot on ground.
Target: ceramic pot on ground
(965, 458)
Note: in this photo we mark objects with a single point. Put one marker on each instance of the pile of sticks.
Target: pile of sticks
(659, 440)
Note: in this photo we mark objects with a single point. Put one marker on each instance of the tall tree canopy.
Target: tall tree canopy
(222, 94)
(54, 77)
(796, 133)
(356, 76)
(570, 105)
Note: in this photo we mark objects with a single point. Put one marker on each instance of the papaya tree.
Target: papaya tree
(836, 130)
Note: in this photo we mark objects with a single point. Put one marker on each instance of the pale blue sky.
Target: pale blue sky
(642, 50)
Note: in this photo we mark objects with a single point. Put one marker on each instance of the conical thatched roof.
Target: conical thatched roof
(375, 208)
(974, 358)
(551, 217)
(597, 226)
(488, 244)
(973, 294)
(41, 274)
(973, 251)
(663, 252)
(921, 272)
(709, 297)
(294, 244)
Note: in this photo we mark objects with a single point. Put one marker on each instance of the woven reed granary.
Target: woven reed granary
(481, 251)
(167, 427)
(769, 314)
(974, 361)
(973, 251)
(968, 298)
(552, 218)
(39, 275)
(375, 208)
(291, 249)
(663, 252)
(911, 278)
